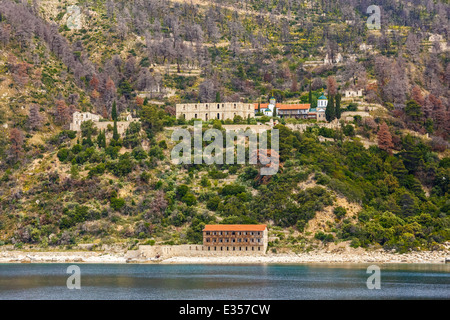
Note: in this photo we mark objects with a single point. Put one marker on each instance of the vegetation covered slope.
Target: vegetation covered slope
(60, 188)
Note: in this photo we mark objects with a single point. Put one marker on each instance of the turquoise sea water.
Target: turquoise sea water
(224, 282)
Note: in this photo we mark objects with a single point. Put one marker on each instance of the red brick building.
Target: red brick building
(235, 237)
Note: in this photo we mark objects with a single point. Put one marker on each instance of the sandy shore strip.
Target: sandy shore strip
(61, 257)
(378, 256)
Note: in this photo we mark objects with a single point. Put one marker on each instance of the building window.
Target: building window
(218, 116)
(235, 105)
(195, 116)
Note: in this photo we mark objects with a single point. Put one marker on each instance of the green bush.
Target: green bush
(189, 199)
(349, 130)
(324, 237)
(117, 203)
(63, 154)
(352, 107)
(231, 190)
(213, 203)
(340, 212)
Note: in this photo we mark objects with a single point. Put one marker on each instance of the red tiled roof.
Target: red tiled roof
(292, 106)
(235, 227)
(282, 106)
(262, 106)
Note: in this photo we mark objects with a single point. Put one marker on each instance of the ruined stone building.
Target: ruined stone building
(235, 237)
(208, 111)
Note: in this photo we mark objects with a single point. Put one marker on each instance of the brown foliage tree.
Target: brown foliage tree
(62, 116)
(331, 86)
(94, 83)
(16, 145)
(385, 138)
(34, 118)
(139, 101)
(416, 95)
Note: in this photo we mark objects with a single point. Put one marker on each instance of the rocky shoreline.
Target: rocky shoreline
(359, 256)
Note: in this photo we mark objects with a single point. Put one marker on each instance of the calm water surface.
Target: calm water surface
(223, 282)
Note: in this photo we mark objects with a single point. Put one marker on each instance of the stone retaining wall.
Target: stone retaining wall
(186, 250)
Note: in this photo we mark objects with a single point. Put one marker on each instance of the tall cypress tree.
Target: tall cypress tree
(116, 135)
(114, 111)
(310, 93)
(338, 110)
(330, 112)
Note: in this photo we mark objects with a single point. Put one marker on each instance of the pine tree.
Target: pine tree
(330, 113)
(101, 139)
(385, 138)
(274, 112)
(338, 110)
(114, 111)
